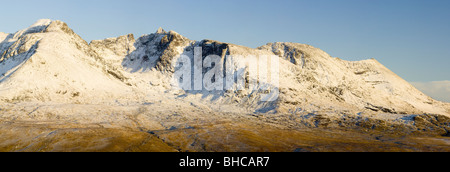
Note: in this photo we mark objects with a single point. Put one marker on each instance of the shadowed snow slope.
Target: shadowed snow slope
(48, 62)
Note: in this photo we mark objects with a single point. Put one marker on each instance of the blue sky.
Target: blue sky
(410, 37)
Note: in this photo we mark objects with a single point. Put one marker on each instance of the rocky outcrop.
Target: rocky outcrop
(120, 46)
(289, 52)
(169, 48)
(433, 123)
(156, 50)
(210, 47)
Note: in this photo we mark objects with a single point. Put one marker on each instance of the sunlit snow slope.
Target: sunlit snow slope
(48, 62)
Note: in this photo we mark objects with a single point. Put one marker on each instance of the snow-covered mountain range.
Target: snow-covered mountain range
(48, 62)
(61, 93)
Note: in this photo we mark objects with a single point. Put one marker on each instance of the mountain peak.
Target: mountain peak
(37, 27)
(60, 26)
(161, 31)
(42, 22)
(3, 36)
(57, 25)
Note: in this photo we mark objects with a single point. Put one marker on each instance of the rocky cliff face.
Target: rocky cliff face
(155, 51)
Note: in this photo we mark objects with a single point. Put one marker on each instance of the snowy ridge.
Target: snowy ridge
(363, 84)
(48, 62)
(63, 68)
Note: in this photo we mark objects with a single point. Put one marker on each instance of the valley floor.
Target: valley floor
(151, 127)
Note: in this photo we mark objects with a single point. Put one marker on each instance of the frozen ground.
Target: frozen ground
(164, 127)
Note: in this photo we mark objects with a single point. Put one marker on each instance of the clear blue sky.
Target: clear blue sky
(411, 37)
